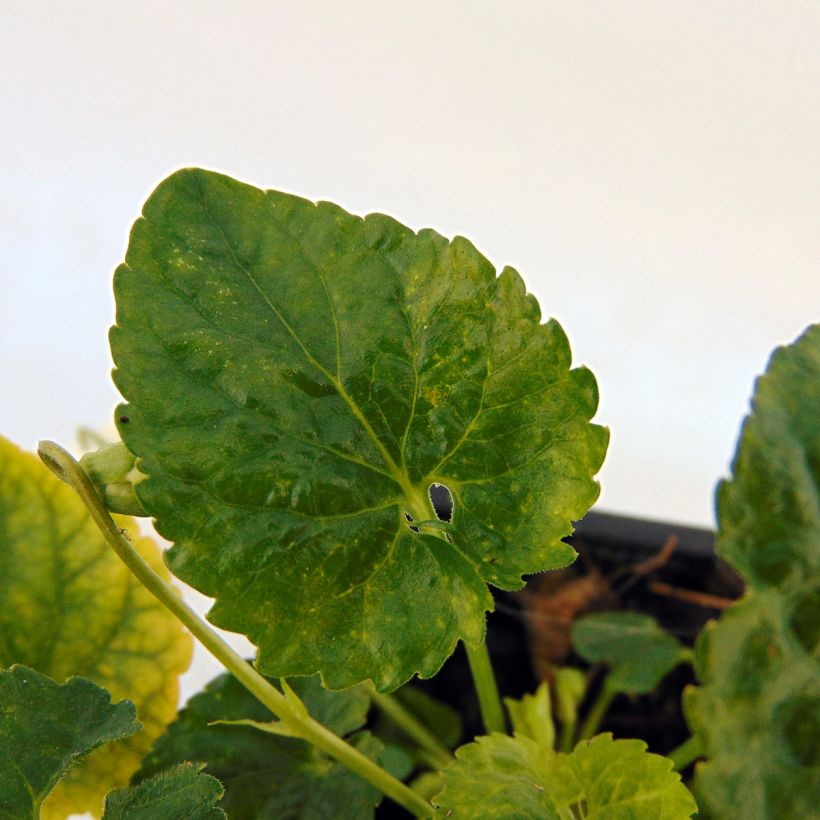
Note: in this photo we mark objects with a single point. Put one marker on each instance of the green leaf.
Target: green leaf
(638, 650)
(297, 378)
(45, 728)
(504, 777)
(532, 717)
(183, 791)
(266, 775)
(757, 711)
(68, 606)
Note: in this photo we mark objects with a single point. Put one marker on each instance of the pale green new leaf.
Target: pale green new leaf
(639, 652)
(69, 606)
(532, 716)
(757, 711)
(184, 791)
(266, 775)
(45, 728)
(297, 378)
(602, 779)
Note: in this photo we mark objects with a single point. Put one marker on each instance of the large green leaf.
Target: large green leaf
(183, 791)
(504, 777)
(297, 378)
(45, 728)
(265, 775)
(758, 708)
(68, 606)
(638, 650)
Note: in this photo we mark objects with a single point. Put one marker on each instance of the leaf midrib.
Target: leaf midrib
(414, 497)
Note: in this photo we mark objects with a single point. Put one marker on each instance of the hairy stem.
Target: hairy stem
(413, 728)
(685, 754)
(492, 713)
(65, 467)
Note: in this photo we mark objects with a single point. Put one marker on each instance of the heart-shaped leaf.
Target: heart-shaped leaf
(297, 379)
(503, 777)
(45, 728)
(183, 791)
(68, 606)
(638, 650)
(265, 775)
(757, 711)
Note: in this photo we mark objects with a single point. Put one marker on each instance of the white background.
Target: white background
(651, 168)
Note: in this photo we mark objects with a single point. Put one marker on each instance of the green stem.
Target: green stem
(685, 754)
(65, 467)
(492, 713)
(567, 736)
(597, 711)
(413, 728)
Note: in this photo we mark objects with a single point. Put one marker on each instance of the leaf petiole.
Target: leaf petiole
(413, 728)
(597, 711)
(66, 468)
(489, 701)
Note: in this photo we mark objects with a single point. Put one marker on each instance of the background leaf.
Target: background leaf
(184, 791)
(638, 651)
(757, 710)
(45, 727)
(297, 378)
(442, 720)
(68, 606)
(266, 775)
(504, 777)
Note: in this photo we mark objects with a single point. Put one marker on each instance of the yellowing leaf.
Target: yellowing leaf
(68, 606)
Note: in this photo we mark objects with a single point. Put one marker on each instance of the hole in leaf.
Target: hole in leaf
(409, 519)
(442, 500)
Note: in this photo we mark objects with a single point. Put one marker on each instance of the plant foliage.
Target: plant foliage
(45, 728)
(297, 378)
(503, 777)
(265, 775)
(68, 606)
(758, 708)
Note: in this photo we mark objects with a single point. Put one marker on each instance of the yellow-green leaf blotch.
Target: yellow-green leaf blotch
(68, 606)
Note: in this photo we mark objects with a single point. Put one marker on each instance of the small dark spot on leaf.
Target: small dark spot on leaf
(124, 419)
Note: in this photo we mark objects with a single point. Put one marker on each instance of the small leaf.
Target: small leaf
(570, 687)
(45, 728)
(265, 775)
(184, 791)
(757, 710)
(504, 777)
(532, 717)
(638, 650)
(296, 379)
(69, 606)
